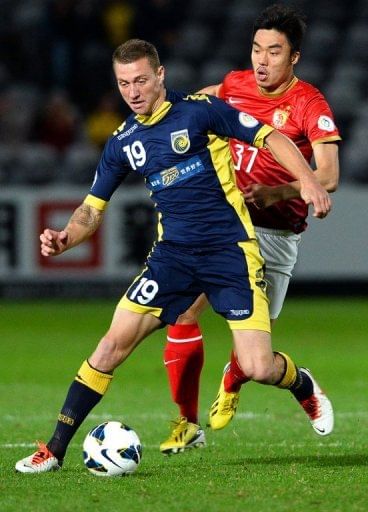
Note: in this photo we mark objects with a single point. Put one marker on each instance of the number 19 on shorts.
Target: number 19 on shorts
(145, 291)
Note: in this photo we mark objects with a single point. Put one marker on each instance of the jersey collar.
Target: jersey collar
(156, 116)
(276, 94)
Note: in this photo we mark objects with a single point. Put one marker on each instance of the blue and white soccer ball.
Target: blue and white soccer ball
(112, 449)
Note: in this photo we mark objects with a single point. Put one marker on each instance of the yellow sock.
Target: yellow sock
(290, 374)
(94, 379)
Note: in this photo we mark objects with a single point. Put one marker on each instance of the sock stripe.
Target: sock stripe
(183, 340)
(290, 375)
(93, 379)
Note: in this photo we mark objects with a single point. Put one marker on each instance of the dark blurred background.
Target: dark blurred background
(59, 103)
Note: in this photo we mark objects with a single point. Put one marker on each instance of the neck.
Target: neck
(161, 98)
(279, 88)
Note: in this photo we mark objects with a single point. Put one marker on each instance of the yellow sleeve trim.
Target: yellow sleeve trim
(259, 139)
(96, 202)
(333, 138)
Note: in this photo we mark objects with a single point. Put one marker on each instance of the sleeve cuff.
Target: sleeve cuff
(96, 202)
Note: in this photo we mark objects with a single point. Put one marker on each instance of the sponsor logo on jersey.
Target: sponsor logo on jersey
(180, 141)
(176, 174)
(280, 117)
(326, 123)
(247, 120)
(169, 176)
(128, 132)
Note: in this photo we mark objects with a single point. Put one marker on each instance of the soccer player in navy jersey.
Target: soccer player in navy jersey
(273, 94)
(206, 242)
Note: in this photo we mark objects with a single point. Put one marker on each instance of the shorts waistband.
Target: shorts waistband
(276, 232)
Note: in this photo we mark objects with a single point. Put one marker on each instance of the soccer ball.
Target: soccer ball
(112, 449)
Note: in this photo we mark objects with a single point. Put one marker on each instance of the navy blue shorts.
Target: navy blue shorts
(232, 278)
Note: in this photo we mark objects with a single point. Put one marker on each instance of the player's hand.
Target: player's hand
(260, 195)
(313, 193)
(53, 242)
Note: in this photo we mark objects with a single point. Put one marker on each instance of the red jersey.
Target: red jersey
(300, 112)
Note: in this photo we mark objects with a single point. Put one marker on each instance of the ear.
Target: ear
(295, 58)
(161, 74)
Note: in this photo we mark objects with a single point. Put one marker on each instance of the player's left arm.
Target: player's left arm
(326, 156)
(288, 155)
(327, 173)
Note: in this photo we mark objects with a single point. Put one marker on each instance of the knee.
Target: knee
(108, 354)
(257, 369)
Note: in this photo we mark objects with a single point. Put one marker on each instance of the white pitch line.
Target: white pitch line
(282, 444)
(249, 415)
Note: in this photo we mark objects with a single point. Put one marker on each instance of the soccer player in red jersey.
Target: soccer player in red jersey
(272, 93)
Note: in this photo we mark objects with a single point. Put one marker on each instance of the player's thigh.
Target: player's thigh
(280, 251)
(193, 313)
(166, 288)
(235, 287)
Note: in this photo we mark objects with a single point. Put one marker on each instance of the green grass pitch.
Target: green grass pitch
(267, 459)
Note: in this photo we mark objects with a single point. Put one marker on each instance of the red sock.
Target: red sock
(234, 377)
(183, 358)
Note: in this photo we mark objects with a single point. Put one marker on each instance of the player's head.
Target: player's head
(139, 75)
(276, 42)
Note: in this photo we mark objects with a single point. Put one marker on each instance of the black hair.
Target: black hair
(284, 19)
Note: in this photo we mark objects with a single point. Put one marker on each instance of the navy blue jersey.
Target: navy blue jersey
(182, 152)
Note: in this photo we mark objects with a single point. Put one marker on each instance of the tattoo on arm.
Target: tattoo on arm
(87, 216)
(82, 224)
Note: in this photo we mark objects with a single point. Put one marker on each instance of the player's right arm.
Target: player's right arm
(85, 220)
(327, 173)
(82, 224)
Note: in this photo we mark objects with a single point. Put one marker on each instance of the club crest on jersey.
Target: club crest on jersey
(169, 176)
(280, 117)
(180, 141)
(326, 123)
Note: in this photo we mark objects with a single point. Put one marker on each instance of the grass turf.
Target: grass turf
(267, 459)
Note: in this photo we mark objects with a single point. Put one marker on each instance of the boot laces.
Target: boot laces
(229, 404)
(42, 454)
(179, 425)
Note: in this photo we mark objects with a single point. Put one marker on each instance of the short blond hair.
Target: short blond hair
(135, 49)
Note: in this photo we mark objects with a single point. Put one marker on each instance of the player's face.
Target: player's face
(140, 85)
(272, 60)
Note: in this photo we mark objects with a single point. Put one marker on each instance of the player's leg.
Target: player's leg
(259, 363)
(280, 251)
(152, 299)
(253, 356)
(89, 386)
(183, 359)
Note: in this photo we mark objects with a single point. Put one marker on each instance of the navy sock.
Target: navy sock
(302, 387)
(79, 402)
